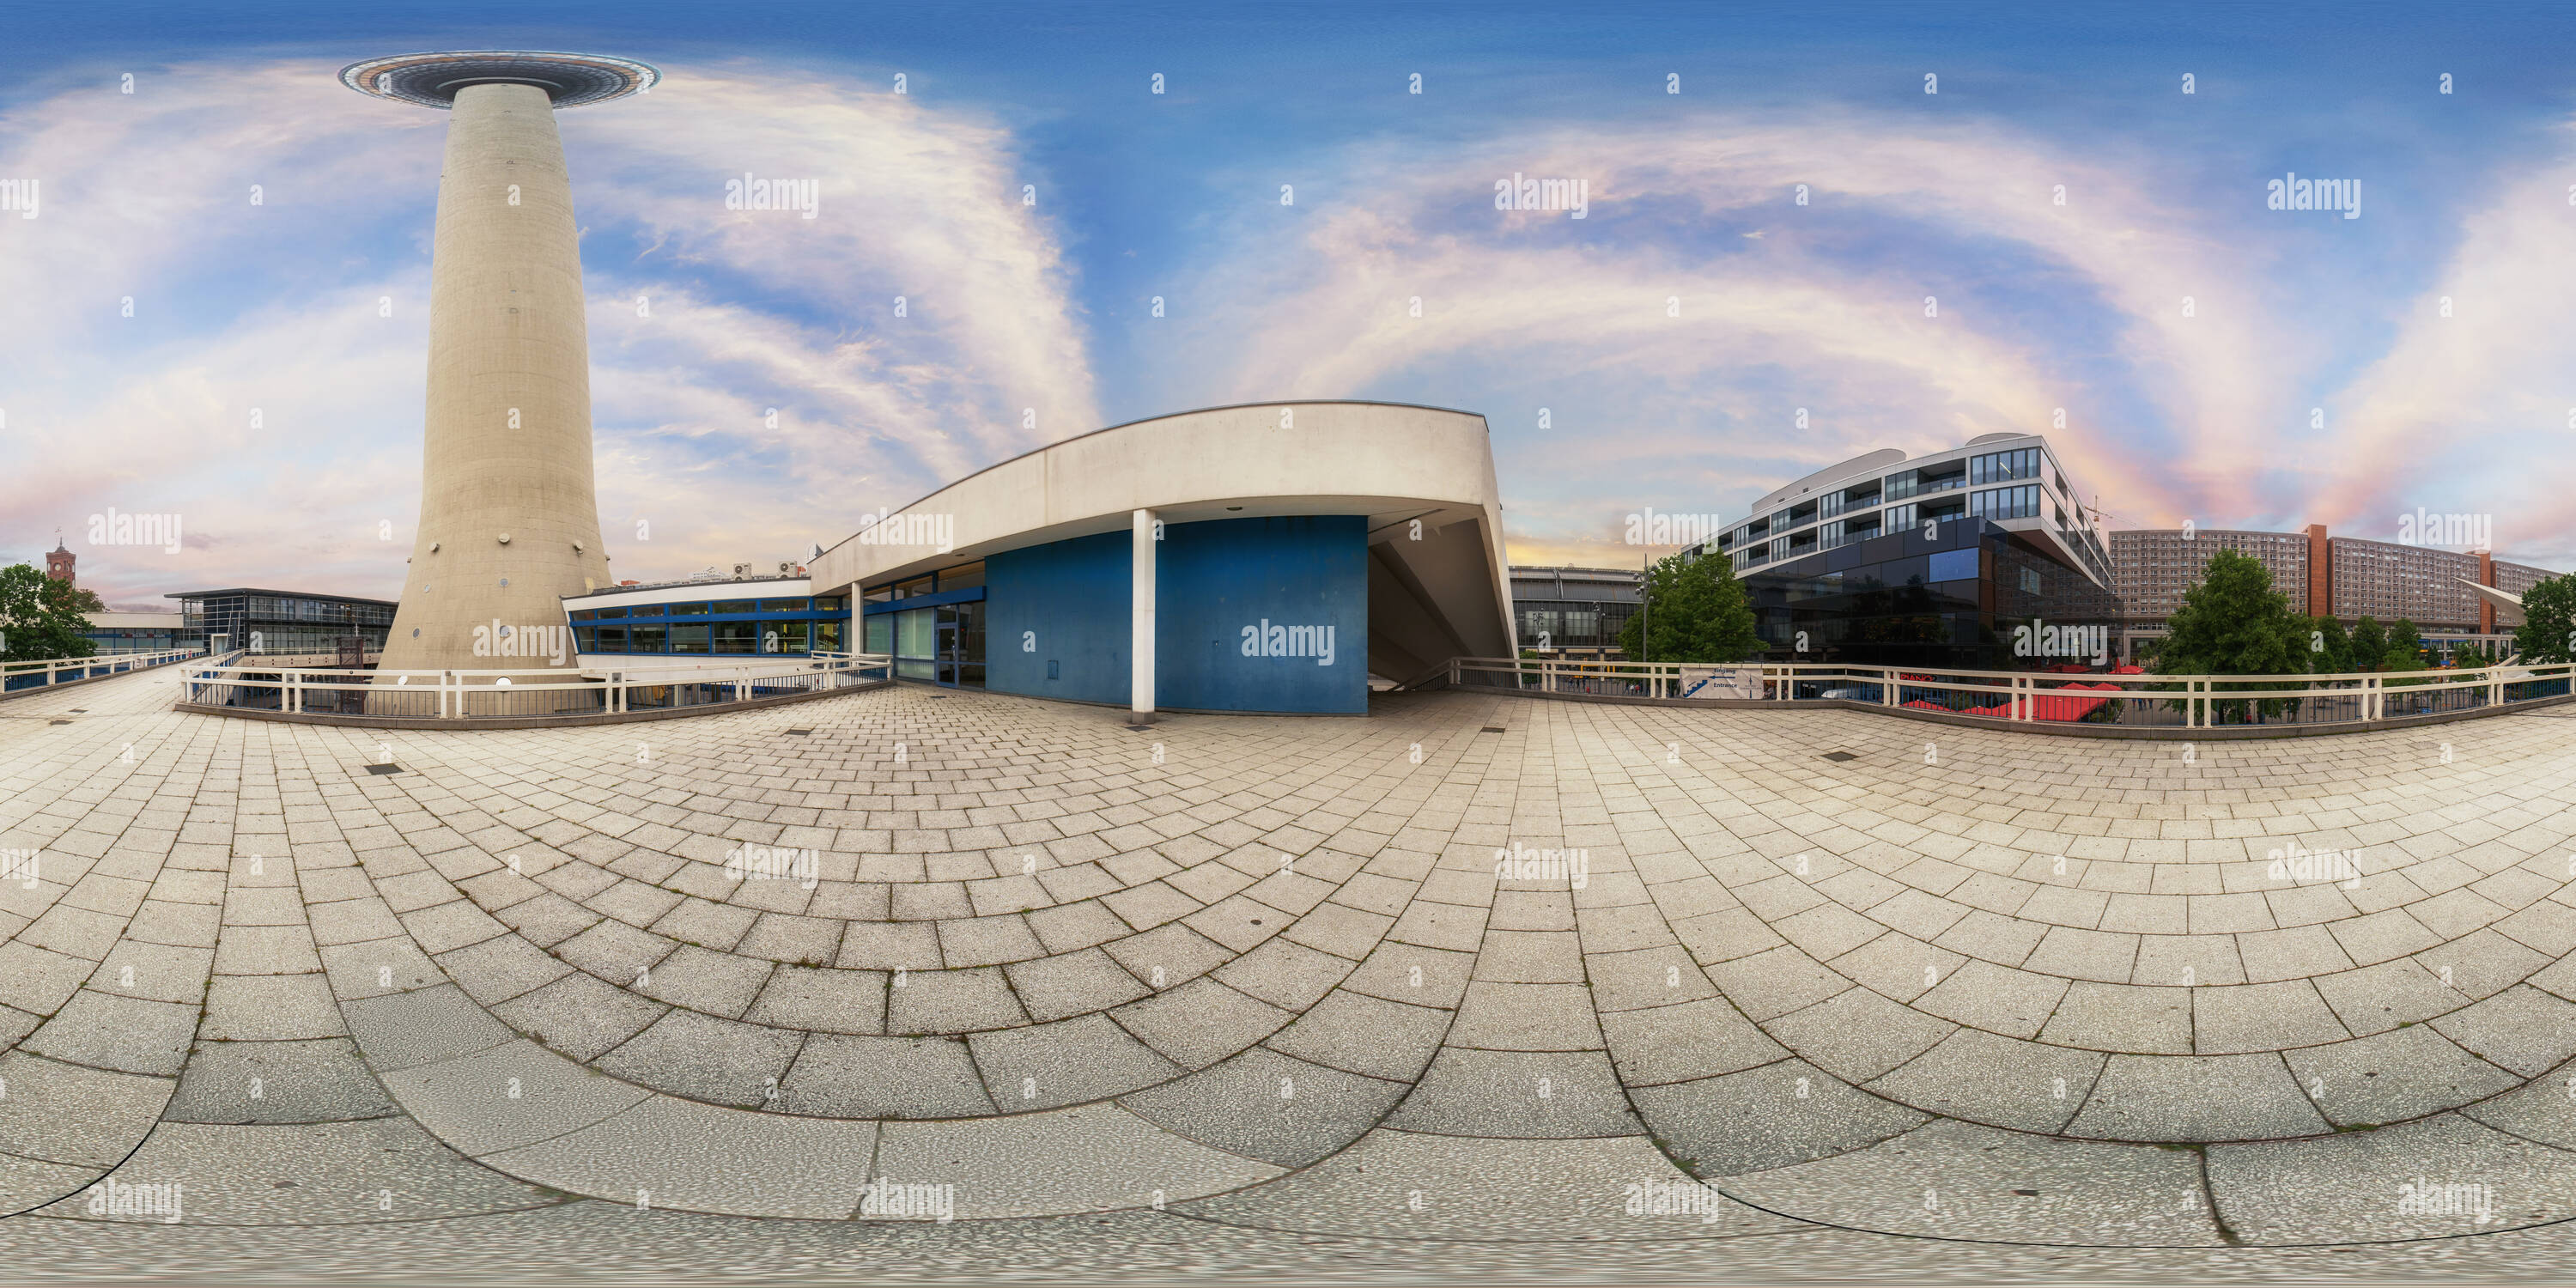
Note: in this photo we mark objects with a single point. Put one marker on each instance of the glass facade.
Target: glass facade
(933, 625)
(282, 622)
(1903, 599)
(772, 624)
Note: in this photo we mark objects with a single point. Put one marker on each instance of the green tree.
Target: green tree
(2329, 648)
(2231, 622)
(2548, 630)
(2369, 644)
(2403, 652)
(1697, 611)
(41, 618)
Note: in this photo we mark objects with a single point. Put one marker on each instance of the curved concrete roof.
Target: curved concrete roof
(1389, 462)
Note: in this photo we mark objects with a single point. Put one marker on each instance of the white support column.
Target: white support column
(1140, 641)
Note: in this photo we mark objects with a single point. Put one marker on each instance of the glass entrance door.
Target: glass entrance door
(961, 645)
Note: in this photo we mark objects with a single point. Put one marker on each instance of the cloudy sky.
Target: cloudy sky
(2084, 197)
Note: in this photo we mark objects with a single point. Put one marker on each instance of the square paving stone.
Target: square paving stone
(2393, 1076)
(501, 968)
(1078, 983)
(1067, 1062)
(705, 1058)
(702, 1158)
(1200, 1022)
(260, 1008)
(1788, 1112)
(1264, 1105)
(703, 980)
(2121, 1017)
(580, 1016)
(1398, 1185)
(1999, 1081)
(1357, 1033)
(2196, 1098)
(1998, 999)
(127, 1034)
(69, 1113)
(323, 1080)
(837, 1076)
(2261, 1017)
(1538, 1094)
(1964, 1181)
(951, 1001)
(2371, 1186)
(1526, 1017)
(1084, 1159)
(2523, 1029)
(823, 1000)
(1859, 1035)
(506, 1097)
(1681, 1043)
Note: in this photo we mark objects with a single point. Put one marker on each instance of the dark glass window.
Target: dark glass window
(909, 589)
(736, 606)
(612, 639)
(832, 603)
(737, 637)
(686, 610)
(689, 639)
(782, 605)
(827, 637)
(783, 637)
(647, 639)
(612, 612)
(963, 577)
(648, 610)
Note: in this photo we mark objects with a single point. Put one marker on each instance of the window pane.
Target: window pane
(784, 637)
(647, 639)
(827, 637)
(685, 610)
(908, 589)
(648, 610)
(782, 605)
(689, 639)
(880, 633)
(963, 578)
(735, 606)
(835, 603)
(612, 612)
(612, 639)
(737, 637)
(916, 633)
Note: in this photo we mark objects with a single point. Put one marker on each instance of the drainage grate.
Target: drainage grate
(80, 711)
(1491, 729)
(58, 722)
(384, 769)
(1840, 756)
(800, 733)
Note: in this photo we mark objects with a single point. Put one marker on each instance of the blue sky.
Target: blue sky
(1670, 337)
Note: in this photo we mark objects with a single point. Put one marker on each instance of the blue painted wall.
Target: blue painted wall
(1212, 580)
(1074, 595)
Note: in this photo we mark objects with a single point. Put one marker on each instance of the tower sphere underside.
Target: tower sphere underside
(432, 80)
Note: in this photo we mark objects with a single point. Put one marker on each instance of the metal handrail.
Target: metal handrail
(2047, 696)
(93, 665)
(480, 693)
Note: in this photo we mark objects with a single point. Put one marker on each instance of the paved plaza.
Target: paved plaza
(1472, 985)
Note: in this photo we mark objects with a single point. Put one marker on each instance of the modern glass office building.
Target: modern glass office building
(281, 621)
(1885, 560)
(694, 620)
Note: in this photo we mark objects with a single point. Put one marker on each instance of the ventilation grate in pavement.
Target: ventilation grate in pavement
(384, 769)
(1840, 756)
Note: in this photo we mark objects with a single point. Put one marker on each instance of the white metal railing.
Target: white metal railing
(2135, 699)
(521, 694)
(23, 677)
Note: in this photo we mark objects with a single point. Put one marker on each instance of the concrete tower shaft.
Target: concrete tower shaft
(509, 521)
